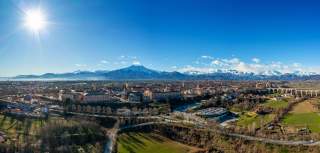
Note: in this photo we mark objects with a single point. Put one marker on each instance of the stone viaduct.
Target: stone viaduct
(296, 92)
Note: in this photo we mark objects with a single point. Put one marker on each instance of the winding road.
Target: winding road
(113, 133)
(236, 135)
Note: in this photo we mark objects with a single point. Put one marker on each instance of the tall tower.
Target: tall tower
(125, 87)
(94, 87)
(166, 89)
(198, 90)
(125, 91)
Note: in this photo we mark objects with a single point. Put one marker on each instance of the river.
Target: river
(108, 146)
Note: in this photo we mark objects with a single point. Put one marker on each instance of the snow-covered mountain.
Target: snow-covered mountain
(138, 72)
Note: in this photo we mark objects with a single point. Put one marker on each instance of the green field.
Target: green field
(310, 120)
(276, 104)
(246, 120)
(304, 114)
(258, 120)
(149, 143)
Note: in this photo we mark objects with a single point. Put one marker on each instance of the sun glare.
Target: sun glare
(35, 20)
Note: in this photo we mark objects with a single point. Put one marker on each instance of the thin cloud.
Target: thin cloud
(104, 61)
(206, 57)
(136, 62)
(81, 65)
(256, 60)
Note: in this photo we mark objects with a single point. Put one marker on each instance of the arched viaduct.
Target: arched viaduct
(296, 92)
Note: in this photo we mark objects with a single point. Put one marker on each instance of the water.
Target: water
(108, 146)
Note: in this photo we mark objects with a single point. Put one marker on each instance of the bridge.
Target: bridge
(122, 120)
(296, 92)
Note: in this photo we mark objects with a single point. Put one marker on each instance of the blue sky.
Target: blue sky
(182, 35)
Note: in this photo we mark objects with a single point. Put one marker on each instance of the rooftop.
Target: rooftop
(213, 111)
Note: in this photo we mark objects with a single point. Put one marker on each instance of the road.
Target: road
(274, 141)
(111, 116)
(166, 120)
(236, 135)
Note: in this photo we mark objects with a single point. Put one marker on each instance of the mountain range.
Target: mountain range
(139, 72)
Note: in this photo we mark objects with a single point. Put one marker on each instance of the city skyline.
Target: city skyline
(159, 76)
(168, 36)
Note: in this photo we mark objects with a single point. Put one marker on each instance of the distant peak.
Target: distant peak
(77, 71)
(136, 67)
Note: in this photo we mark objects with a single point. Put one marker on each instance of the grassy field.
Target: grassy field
(305, 114)
(150, 143)
(310, 120)
(246, 119)
(259, 120)
(276, 104)
(307, 106)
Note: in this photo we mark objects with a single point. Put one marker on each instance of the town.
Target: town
(159, 76)
(279, 113)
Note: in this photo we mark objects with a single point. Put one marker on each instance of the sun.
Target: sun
(35, 20)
